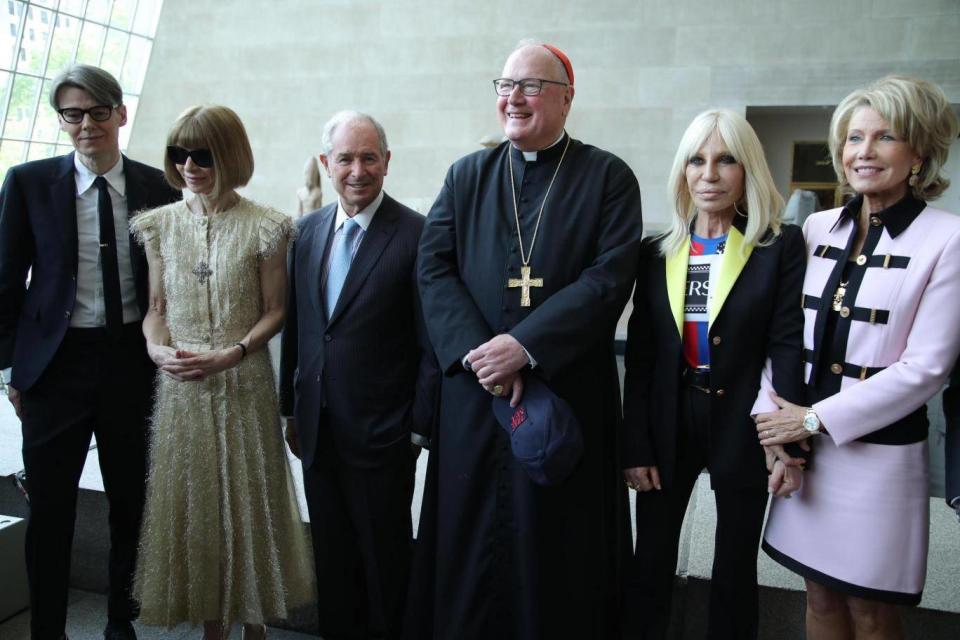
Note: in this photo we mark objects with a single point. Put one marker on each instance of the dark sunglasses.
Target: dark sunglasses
(201, 157)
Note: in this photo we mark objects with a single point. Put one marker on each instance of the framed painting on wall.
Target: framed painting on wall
(812, 163)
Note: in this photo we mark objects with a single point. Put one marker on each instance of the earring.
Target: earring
(737, 209)
(914, 175)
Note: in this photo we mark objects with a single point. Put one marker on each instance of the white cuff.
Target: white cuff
(533, 363)
(419, 440)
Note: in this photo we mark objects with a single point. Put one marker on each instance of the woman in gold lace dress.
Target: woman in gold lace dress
(222, 538)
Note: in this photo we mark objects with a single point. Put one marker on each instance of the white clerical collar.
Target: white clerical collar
(531, 156)
(84, 177)
(363, 217)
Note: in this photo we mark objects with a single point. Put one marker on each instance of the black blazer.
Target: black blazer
(38, 230)
(760, 318)
(369, 375)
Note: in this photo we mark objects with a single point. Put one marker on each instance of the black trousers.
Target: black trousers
(362, 542)
(93, 386)
(733, 587)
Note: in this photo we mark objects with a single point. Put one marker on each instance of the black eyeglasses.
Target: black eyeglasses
(99, 113)
(528, 86)
(201, 157)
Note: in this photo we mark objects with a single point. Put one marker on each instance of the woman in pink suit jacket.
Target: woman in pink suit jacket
(881, 304)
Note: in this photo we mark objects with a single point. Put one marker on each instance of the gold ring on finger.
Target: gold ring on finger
(498, 389)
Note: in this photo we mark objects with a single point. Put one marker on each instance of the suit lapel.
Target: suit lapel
(735, 256)
(317, 256)
(676, 272)
(64, 196)
(376, 238)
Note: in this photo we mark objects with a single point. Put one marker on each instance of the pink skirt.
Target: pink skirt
(860, 524)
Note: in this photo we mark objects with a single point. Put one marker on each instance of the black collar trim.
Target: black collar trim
(896, 218)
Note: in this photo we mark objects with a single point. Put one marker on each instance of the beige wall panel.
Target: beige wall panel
(787, 42)
(821, 83)
(935, 34)
(619, 46)
(900, 8)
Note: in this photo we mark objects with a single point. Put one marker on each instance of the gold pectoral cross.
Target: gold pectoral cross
(524, 282)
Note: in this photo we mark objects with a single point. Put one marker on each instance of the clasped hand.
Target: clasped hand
(783, 479)
(190, 366)
(498, 362)
(642, 478)
(783, 426)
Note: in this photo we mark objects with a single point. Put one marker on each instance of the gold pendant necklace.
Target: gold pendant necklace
(525, 281)
(839, 295)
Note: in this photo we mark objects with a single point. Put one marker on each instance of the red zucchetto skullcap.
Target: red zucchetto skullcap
(563, 58)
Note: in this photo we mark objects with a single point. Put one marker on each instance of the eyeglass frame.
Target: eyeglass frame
(519, 83)
(85, 112)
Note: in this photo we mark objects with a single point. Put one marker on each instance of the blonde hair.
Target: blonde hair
(918, 111)
(761, 199)
(220, 130)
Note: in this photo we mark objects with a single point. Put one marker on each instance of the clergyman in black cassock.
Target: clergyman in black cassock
(499, 556)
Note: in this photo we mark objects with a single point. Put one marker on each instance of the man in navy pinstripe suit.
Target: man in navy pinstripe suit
(358, 382)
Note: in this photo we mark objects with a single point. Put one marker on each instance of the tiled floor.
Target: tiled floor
(87, 616)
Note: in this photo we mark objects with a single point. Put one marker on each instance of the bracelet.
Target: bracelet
(243, 348)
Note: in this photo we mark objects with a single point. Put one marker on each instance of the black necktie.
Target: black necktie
(108, 258)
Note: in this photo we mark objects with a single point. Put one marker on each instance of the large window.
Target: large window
(44, 36)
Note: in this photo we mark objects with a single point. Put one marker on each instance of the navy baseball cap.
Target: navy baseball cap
(544, 434)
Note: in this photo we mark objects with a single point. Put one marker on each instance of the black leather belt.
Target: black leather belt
(130, 330)
(696, 378)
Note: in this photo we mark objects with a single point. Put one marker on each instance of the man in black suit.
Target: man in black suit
(71, 346)
(359, 380)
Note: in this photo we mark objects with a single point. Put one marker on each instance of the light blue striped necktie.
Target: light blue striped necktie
(341, 254)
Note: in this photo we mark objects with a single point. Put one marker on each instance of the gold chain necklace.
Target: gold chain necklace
(525, 281)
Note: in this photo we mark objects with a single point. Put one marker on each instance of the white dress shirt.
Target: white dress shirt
(363, 218)
(90, 310)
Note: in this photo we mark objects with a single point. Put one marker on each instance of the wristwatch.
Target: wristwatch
(811, 422)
